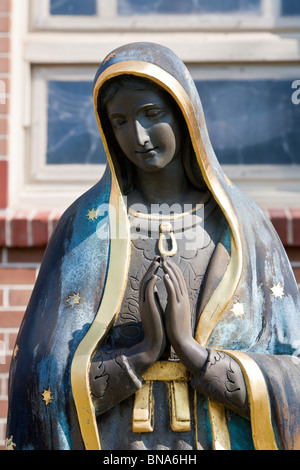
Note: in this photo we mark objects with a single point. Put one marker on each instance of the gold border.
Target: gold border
(219, 429)
(260, 411)
(227, 287)
(109, 308)
(120, 250)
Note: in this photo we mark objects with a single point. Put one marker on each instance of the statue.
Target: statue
(165, 314)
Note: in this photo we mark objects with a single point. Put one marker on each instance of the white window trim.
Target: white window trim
(31, 49)
(107, 19)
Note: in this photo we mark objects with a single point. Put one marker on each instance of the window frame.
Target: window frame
(32, 48)
(107, 19)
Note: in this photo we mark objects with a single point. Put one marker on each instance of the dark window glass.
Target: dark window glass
(290, 7)
(146, 7)
(73, 135)
(249, 122)
(252, 121)
(73, 7)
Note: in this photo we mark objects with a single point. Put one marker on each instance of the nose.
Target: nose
(141, 134)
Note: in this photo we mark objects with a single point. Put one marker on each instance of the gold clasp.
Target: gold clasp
(166, 228)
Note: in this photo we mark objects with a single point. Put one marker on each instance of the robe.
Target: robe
(250, 305)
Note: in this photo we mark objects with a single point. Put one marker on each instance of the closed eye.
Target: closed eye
(118, 122)
(154, 112)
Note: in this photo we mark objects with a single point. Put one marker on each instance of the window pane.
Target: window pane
(73, 135)
(252, 121)
(131, 7)
(73, 7)
(290, 7)
(249, 122)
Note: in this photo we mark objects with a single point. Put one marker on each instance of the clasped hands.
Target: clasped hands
(173, 324)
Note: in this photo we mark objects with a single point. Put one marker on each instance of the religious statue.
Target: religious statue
(165, 314)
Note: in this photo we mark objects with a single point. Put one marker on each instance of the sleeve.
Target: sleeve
(221, 380)
(112, 379)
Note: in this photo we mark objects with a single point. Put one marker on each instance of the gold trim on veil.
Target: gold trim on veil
(120, 250)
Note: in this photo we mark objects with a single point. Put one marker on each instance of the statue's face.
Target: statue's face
(146, 127)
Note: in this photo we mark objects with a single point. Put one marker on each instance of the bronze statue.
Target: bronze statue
(165, 314)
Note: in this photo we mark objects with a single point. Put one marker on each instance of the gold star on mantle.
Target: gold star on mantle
(9, 444)
(277, 291)
(47, 396)
(238, 309)
(73, 300)
(92, 214)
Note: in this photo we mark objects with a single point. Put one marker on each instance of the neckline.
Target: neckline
(169, 217)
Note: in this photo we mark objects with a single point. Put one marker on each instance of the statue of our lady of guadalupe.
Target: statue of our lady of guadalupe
(165, 314)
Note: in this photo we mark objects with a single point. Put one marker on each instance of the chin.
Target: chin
(154, 165)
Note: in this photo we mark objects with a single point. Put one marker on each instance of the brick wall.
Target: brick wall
(18, 271)
(5, 6)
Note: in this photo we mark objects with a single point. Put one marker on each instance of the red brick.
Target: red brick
(5, 5)
(3, 125)
(4, 106)
(2, 229)
(11, 319)
(295, 213)
(12, 340)
(4, 61)
(5, 367)
(3, 146)
(293, 253)
(1, 297)
(297, 274)
(3, 188)
(19, 231)
(40, 228)
(25, 255)
(4, 43)
(280, 222)
(19, 297)
(3, 408)
(4, 24)
(17, 275)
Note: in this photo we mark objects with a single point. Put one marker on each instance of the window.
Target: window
(65, 143)
(252, 121)
(149, 15)
(73, 7)
(243, 68)
(290, 7)
(136, 7)
(72, 133)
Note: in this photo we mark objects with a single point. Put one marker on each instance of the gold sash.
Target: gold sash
(176, 376)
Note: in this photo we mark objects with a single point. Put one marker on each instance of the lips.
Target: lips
(146, 151)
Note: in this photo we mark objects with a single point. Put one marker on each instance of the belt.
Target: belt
(176, 376)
